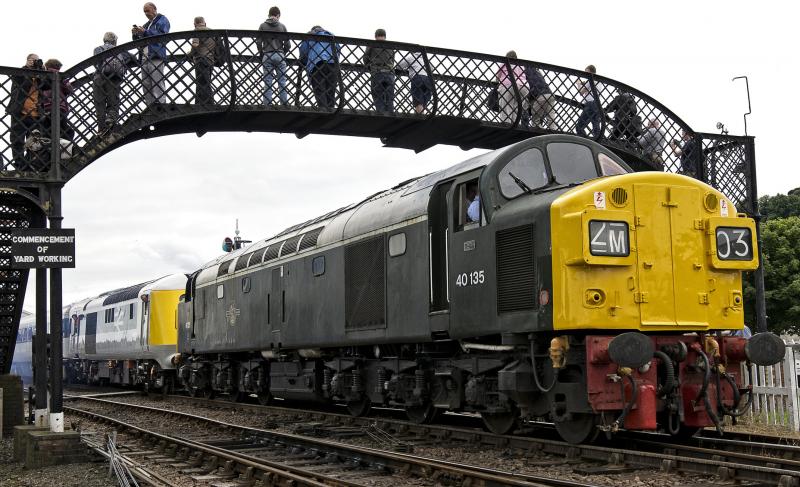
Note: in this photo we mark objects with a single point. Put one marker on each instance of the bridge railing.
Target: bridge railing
(498, 93)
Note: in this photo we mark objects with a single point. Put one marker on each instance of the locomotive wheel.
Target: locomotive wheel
(193, 391)
(209, 393)
(501, 423)
(264, 398)
(360, 407)
(581, 428)
(423, 414)
(241, 396)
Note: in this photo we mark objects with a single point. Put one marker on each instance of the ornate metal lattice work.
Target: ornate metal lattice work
(430, 96)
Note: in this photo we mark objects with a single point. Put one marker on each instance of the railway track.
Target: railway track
(728, 459)
(236, 452)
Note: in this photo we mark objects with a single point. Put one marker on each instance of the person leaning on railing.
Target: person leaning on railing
(153, 56)
(542, 100)
(273, 57)
(321, 60)
(202, 55)
(508, 98)
(653, 141)
(421, 84)
(380, 63)
(108, 77)
(65, 89)
(24, 109)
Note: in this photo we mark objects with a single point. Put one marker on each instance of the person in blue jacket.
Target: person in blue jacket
(321, 60)
(154, 55)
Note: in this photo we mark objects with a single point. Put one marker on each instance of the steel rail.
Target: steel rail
(672, 457)
(420, 466)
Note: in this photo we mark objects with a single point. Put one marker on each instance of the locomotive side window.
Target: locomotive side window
(467, 205)
(318, 265)
(571, 163)
(132, 311)
(608, 166)
(397, 244)
(220, 291)
(523, 173)
(246, 285)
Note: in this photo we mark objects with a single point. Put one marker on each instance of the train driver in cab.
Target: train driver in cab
(474, 208)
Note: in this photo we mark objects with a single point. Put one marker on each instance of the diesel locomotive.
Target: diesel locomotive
(586, 294)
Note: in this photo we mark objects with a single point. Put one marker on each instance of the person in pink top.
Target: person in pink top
(505, 87)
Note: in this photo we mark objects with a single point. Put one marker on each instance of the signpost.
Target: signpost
(40, 248)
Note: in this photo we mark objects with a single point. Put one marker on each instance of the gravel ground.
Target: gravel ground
(14, 474)
(532, 463)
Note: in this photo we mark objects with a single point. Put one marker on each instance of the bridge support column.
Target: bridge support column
(56, 352)
(40, 350)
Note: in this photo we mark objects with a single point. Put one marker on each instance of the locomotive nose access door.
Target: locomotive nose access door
(671, 266)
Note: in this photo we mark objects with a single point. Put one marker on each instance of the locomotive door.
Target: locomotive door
(144, 327)
(276, 305)
(91, 334)
(438, 228)
(472, 258)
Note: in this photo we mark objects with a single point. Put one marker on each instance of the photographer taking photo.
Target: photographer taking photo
(24, 108)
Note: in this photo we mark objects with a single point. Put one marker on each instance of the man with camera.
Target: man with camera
(24, 108)
(154, 55)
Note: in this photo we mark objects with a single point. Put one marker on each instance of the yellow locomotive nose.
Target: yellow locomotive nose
(649, 251)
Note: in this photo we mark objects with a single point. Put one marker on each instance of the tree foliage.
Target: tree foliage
(780, 205)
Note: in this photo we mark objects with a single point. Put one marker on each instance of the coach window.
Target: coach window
(467, 205)
(524, 173)
(246, 285)
(397, 244)
(220, 291)
(318, 265)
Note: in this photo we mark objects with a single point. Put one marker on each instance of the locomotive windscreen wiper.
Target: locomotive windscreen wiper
(520, 183)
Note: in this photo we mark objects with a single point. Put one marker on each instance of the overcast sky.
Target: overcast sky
(164, 205)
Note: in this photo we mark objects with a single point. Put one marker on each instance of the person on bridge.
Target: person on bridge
(154, 55)
(688, 152)
(421, 84)
(508, 96)
(380, 62)
(65, 90)
(591, 111)
(108, 77)
(322, 63)
(542, 100)
(273, 57)
(202, 55)
(627, 124)
(653, 141)
(23, 109)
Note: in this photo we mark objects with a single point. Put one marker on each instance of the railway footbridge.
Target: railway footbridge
(438, 96)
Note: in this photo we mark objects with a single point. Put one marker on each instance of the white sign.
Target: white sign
(723, 207)
(600, 200)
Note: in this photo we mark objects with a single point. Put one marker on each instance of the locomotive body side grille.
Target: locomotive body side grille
(516, 271)
(365, 284)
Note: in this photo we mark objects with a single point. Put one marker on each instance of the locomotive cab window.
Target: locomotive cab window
(397, 244)
(318, 265)
(467, 205)
(571, 163)
(608, 166)
(524, 173)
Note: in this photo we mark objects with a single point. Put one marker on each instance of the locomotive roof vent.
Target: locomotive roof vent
(619, 197)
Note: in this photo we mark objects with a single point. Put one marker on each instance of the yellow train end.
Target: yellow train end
(649, 251)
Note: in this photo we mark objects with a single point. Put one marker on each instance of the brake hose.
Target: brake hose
(634, 396)
(702, 394)
(536, 374)
(669, 381)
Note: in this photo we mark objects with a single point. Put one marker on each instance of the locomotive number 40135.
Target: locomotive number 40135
(470, 278)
